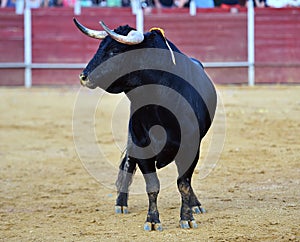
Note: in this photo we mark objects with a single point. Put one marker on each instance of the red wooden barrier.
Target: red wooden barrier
(57, 40)
(209, 37)
(11, 46)
(277, 44)
(213, 35)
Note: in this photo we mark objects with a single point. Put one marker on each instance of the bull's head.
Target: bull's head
(114, 42)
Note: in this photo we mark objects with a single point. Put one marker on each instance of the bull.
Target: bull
(184, 119)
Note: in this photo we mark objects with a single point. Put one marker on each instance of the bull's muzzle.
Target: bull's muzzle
(83, 79)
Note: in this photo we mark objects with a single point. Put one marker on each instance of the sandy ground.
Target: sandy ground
(46, 194)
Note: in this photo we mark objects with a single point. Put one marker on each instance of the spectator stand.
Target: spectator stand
(216, 37)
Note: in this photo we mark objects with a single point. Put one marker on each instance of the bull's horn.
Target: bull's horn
(89, 32)
(133, 37)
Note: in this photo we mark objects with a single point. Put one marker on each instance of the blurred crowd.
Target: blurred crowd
(150, 4)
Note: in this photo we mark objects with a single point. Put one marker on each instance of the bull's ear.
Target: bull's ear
(159, 31)
(150, 35)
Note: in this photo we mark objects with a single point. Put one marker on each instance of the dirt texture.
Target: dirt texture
(46, 193)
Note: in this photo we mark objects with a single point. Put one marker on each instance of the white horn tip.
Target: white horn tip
(138, 37)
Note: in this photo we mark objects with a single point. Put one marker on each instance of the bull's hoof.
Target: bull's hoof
(193, 224)
(148, 226)
(198, 210)
(158, 227)
(152, 226)
(121, 209)
(184, 224)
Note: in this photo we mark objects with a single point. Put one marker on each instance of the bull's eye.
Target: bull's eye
(112, 52)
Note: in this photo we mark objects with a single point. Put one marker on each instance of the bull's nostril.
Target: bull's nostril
(82, 77)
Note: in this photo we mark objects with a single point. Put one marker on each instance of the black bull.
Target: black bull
(172, 108)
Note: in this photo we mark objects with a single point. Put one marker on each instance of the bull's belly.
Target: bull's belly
(156, 134)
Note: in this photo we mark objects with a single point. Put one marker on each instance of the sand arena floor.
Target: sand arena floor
(46, 194)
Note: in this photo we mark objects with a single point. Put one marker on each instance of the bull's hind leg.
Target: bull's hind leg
(195, 204)
(186, 216)
(152, 187)
(190, 202)
(126, 172)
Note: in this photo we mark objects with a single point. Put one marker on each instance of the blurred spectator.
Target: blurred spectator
(294, 3)
(277, 3)
(89, 3)
(125, 3)
(33, 3)
(8, 3)
(12, 3)
(163, 3)
(68, 3)
(228, 4)
(113, 3)
(283, 3)
(171, 3)
(58, 3)
(52, 3)
(258, 3)
(205, 3)
(182, 3)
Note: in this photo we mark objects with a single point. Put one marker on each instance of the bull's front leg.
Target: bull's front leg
(126, 172)
(152, 221)
(152, 188)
